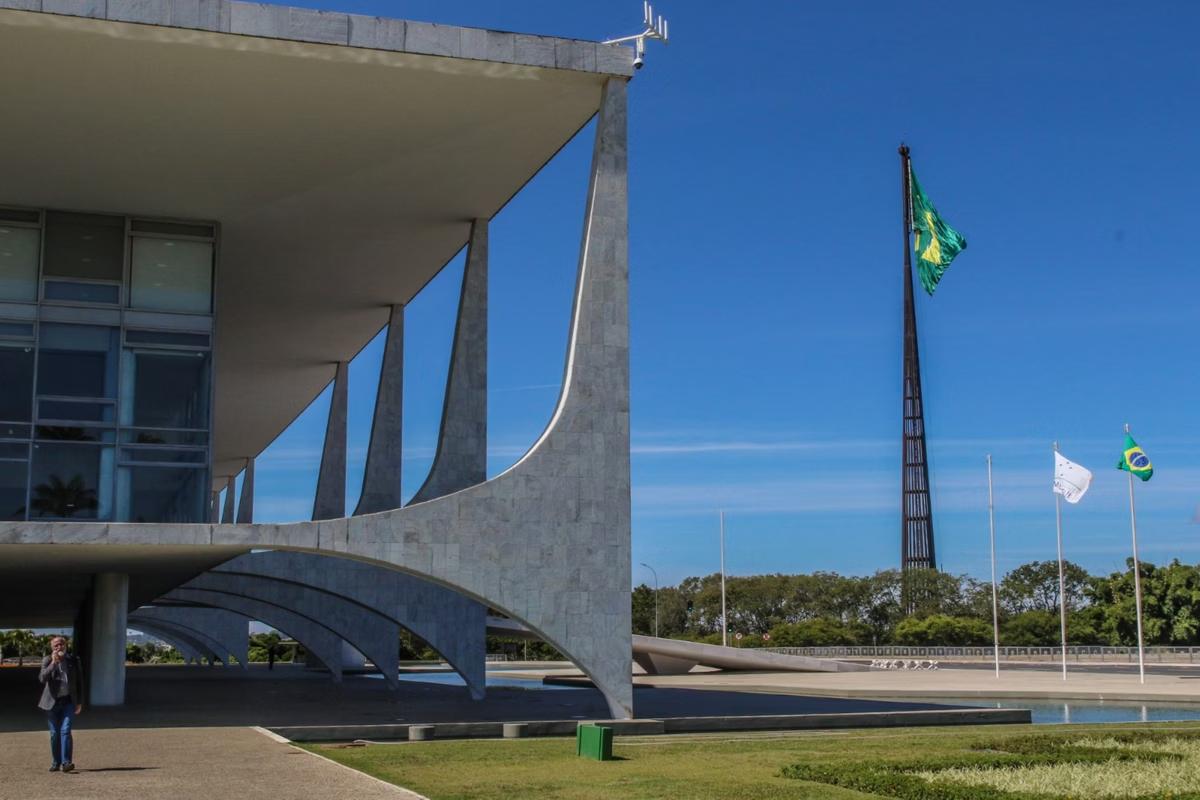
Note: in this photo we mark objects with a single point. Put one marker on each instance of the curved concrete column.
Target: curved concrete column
(189, 650)
(317, 639)
(461, 457)
(376, 636)
(330, 500)
(381, 475)
(231, 630)
(451, 623)
(245, 508)
(227, 507)
(210, 647)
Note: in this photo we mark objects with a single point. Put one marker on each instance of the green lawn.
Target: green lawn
(750, 766)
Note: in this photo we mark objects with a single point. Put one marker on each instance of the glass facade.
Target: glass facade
(19, 263)
(105, 353)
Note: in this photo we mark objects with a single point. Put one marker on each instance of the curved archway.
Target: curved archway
(452, 624)
(317, 639)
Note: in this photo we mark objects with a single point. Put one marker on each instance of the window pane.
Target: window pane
(170, 389)
(16, 386)
(163, 494)
(70, 481)
(171, 228)
(74, 433)
(19, 215)
(73, 411)
(74, 292)
(130, 436)
(12, 489)
(171, 275)
(77, 361)
(16, 330)
(10, 431)
(164, 454)
(14, 450)
(84, 246)
(167, 337)
(19, 263)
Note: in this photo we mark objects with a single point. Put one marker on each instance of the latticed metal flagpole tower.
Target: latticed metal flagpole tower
(916, 512)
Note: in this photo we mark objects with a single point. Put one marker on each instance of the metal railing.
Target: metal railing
(1158, 654)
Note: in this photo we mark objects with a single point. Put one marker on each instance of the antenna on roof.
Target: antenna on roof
(656, 28)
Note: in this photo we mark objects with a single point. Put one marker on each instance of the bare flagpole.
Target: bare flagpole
(1137, 581)
(995, 602)
(1062, 581)
(724, 620)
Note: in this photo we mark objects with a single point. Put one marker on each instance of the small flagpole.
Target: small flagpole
(724, 620)
(1062, 581)
(1137, 580)
(995, 602)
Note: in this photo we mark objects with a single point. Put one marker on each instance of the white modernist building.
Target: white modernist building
(207, 208)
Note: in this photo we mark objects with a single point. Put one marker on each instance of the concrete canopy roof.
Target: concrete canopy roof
(44, 586)
(343, 177)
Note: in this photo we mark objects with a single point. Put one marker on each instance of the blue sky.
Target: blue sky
(766, 280)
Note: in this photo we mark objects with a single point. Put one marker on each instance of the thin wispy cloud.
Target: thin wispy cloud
(532, 387)
(736, 447)
(309, 458)
(844, 489)
(801, 494)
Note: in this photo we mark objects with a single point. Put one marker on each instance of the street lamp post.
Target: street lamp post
(647, 566)
(724, 622)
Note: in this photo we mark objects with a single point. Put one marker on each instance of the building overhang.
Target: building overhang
(342, 156)
(45, 586)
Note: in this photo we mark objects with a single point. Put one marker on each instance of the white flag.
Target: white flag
(1070, 479)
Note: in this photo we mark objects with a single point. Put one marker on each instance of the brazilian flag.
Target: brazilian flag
(1135, 460)
(936, 242)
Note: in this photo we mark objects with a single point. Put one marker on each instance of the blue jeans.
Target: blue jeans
(59, 718)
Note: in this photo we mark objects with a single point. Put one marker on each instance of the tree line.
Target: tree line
(932, 608)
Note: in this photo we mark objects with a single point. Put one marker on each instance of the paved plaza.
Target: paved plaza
(179, 696)
(180, 721)
(1177, 686)
(184, 727)
(121, 763)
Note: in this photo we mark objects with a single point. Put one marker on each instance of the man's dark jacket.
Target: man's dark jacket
(60, 680)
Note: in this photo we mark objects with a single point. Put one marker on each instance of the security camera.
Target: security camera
(638, 62)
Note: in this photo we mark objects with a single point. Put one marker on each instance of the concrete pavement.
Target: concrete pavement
(240, 763)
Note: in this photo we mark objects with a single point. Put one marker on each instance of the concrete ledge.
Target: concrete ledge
(936, 695)
(420, 733)
(348, 30)
(868, 719)
(650, 727)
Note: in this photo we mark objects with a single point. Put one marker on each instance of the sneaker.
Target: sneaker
(54, 767)
(68, 767)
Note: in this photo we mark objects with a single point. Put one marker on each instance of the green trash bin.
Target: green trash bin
(594, 741)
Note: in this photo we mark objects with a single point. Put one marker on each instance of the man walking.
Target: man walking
(61, 700)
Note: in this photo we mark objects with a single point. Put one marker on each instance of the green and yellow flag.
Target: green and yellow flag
(936, 242)
(1135, 460)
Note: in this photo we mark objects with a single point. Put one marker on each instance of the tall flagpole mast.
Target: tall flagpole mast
(995, 601)
(916, 512)
(1137, 580)
(724, 619)
(1062, 581)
